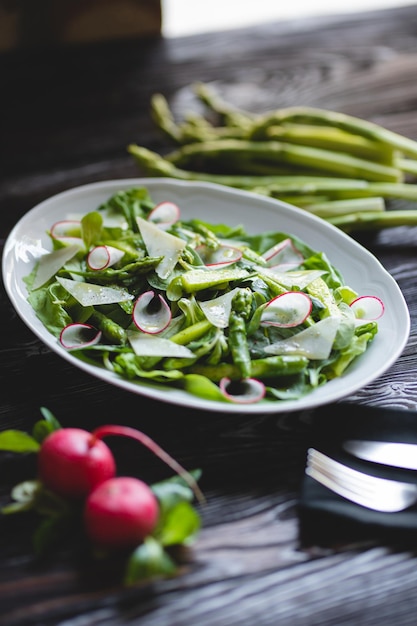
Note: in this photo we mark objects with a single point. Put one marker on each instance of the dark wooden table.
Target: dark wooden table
(66, 119)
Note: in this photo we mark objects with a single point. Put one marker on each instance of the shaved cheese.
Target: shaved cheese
(150, 345)
(160, 243)
(51, 263)
(89, 294)
(293, 278)
(217, 311)
(111, 219)
(314, 342)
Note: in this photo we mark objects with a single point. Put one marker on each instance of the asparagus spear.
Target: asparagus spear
(230, 116)
(268, 367)
(195, 128)
(163, 118)
(374, 220)
(339, 188)
(111, 330)
(336, 208)
(238, 340)
(154, 164)
(287, 154)
(349, 123)
(334, 139)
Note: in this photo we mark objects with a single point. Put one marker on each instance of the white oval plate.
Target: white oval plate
(218, 204)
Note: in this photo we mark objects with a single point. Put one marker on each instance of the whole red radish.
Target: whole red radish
(120, 513)
(71, 462)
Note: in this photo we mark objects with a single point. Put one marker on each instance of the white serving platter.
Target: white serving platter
(218, 204)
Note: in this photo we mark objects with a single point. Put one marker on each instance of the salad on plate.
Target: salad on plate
(207, 308)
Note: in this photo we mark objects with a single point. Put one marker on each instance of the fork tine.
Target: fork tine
(352, 477)
(336, 483)
(369, 491)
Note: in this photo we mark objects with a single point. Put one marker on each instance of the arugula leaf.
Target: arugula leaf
(92, 225)
(18, 441)
(149, 560)
(180, 525)
(50, 418)
(44, 427)
(132, 203)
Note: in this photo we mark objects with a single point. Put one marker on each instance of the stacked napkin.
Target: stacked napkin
(328, 519)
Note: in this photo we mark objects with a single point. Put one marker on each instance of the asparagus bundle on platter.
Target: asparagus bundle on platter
(340, 167)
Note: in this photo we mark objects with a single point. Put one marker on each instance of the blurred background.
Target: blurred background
(38, 23)
(187, 17)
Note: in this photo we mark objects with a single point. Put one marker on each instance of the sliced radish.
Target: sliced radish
(67, 231)
(164, 214)
(223, 255)
(161, 244)
(76, 336)
(246, 391)
(149, 345)
(151, 313)
(66, 228)
(101, 257)
(283, 254)
(368, 308)
(89, 294)
(288, 309)
(217, 310)
(49, 264)
(315, 342)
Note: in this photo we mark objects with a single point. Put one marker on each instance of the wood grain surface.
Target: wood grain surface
(67, 115)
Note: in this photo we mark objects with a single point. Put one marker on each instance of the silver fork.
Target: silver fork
(372, 492)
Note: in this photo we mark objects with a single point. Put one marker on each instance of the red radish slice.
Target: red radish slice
(283, 253)
(68, 231)
(368, 308)
(101, 257)
(224, 255)
(164, 214)
(287, 310)
(245, 391)
(76, 336)
(151, 313)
